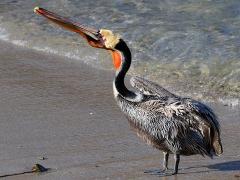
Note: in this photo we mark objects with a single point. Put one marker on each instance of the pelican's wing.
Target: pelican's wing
(149, 88)
(208, 117)
(188, 119)
(172, 120)
(199, 116)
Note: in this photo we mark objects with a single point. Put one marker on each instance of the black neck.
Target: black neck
(120, 74)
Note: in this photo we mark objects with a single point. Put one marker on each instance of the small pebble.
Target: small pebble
(39, 168)
(237, 175)
(42, 158)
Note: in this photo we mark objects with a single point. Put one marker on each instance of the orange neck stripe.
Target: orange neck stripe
(117, 59)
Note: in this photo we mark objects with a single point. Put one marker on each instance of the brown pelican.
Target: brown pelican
(172, 124)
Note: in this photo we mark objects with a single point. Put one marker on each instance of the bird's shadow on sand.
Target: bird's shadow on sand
(225, 166)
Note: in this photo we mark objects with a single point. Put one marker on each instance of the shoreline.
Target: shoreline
(176, 86)
(64, 110)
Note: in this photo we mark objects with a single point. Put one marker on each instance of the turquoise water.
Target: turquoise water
(190, 45)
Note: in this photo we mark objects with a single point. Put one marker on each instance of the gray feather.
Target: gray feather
(148, 87)
(171, 123)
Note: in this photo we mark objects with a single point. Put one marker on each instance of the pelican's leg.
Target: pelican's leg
(177, 160)
(165, 171)
(165, 161)
(169, 173)
(165, 166)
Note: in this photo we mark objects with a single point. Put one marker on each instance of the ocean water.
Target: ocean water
(190, 46)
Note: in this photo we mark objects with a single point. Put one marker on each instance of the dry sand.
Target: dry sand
(64, 111)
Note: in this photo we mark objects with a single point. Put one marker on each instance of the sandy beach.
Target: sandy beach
(61, 113)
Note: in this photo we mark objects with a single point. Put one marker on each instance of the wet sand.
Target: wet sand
(64, 111)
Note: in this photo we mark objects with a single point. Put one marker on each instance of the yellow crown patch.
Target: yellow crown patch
(111, 39)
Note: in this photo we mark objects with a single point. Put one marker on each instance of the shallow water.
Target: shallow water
(179, 43)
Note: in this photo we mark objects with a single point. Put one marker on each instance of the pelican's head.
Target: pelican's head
(102, 38)
(110, 39)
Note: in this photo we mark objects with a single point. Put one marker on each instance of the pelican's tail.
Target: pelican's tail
(217, 145)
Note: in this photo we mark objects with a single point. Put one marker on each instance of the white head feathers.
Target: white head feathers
(110, 39)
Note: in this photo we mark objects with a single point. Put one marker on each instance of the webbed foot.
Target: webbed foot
(166, 173)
